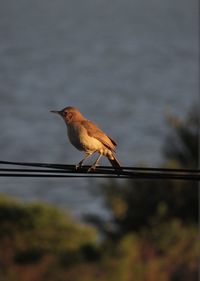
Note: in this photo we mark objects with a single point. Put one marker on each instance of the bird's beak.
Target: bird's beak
(57, 112)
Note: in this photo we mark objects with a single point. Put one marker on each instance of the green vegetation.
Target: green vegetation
(182, 145)
(153, 233)
(38, 235)
(135, 204)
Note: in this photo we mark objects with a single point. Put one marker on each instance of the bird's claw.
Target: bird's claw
(78, 167)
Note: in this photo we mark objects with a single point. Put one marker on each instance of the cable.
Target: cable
(45, 170)
(72, 167)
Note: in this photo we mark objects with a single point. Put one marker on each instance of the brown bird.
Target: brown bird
(87, 137)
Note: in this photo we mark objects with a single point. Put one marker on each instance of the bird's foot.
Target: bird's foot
(78, 166)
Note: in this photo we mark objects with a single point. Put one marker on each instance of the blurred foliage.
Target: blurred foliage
(152, 234)
(29, 233)
(160, 254)
(169, 252)
(135, 203)
(182, 145)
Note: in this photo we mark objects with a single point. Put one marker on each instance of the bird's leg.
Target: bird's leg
(93, 167)
(79, 165)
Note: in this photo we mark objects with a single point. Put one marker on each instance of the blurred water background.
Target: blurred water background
(123, 63)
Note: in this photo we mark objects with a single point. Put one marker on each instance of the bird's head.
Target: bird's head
(69, 114)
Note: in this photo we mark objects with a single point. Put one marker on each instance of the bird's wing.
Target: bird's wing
(95, 132)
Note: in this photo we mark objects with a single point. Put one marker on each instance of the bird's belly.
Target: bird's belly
(91, 144)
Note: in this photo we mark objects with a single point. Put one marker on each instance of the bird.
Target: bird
(86, 136)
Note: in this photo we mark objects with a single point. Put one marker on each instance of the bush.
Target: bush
(31, 231)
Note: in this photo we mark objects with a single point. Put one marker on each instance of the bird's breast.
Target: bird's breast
(79, 138)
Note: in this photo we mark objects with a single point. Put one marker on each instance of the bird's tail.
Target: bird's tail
(115, 163)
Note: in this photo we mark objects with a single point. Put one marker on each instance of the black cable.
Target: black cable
(57, 176)
(94, 175)
(72, 167)
(66, 171)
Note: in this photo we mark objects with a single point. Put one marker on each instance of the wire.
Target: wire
(72, 167)
(49, 170)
